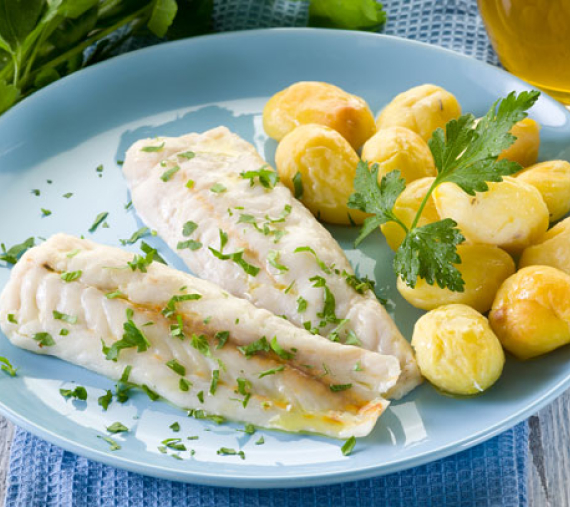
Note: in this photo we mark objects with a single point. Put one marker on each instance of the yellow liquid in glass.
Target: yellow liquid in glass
(532, 39)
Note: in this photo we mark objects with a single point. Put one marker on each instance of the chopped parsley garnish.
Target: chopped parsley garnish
(132, 337)
(261, 345)
(117, 427)
(282, 353)
(79, 393)
(352, 339)
(272, 371)
(150, 149)
(7, 366)
(194, 437)
(200, 396)
(249, 429)
(260, 441)
(188, 228)
(12, 255)
(188, 155)
(44, 339)
(70, 276)
(150, 393)
(215, 380)
(184, 384)
(73, 253)
(99, 168)
(273, 259)
(200, 343)
(129, 205)
(151, 252)
(243, 388)
(105, 400)
(348, 446)
(12, 319)
(99, 219)
(116, 295)
(236, 257)
(222, 337)
(175, 426)
(301, 304)
(166, 175)
(226, 451)
(141, 233)
(170, 309)
(298, 185)
(321, 264)
(45, 212)
(64, 332)
(281, 218)
(68, 195)
(336, 388)
(36, 192)
(207, 320)
(328, 313)
(360, 285)
(70, 319)
(177, 330)
(190, 184)
(218, 188)
(191, 244)
(176, 367)
(268, 178)
(358, 366)
(141, 263)
(114, 445)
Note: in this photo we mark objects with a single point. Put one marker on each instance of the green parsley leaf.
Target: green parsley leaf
(12, 255)
(301, 304)
(99, 219)
(132, 337)
(170, 309)
(272, 371)
(188, 228)
(175, 426)
(184, 384)
(99, 168)
(45, 212)
(64, 332)
(352, 339)
(151, 252)
(7, 366)
(166, 175)
(298, 185)
(190, 184)
(360, 285)
(117, 427)
(214, 383)
(222, 337)
(281, 218)
(79, 393)
(36, 192)
(236, 257)
(105, 400)
(150, 149)
(142, 232)
(150, 393)
(44, 339)
(268, 178)
(73, 253)
(261, 441)
(12, 319)
(116, 295)
(348, 446)
(200, 396)
(70, 276)
(191, 244)
(335, 388)
(261, 345)
(329, 308)
(68, 195)
(282, 353)
(176, 367)
(321, 264)
(114, 445)
(188, 155)
(70, 319)
(273, 259)
(358, 366)
(218, 188)
(200, 343)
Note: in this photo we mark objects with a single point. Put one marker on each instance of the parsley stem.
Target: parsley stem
(435, 183)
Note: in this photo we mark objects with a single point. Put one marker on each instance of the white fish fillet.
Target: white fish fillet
(300, 396)
(219, 159)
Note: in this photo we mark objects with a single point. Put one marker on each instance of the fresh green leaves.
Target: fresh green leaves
(236, 257)
(273, 260)
(132, 337)
(166, 175)
(12, 255)
(321, 264)
(70, 319)
(465, 154)
(6, 365)
(71, 276)
(170, 309)
(141, 233)
(298, 185)
(267, 178)
(153, 149)
(79, 393)
(218, 188)
(176, 367)
(99, 219)
(44, 339)
(347, 14)
(117, 427)
(188, 228)
(348, 446)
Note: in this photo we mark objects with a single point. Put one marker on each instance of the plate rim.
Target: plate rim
(232, 479)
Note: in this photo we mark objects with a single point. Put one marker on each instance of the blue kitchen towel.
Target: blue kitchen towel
(491, 474)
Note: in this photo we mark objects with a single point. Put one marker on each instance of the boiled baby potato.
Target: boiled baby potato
(552, 179)
(511, 215)
(525, 149)
(553, 249)
(531, 312)
(421, 109)
(322, 103)
(406, 208)
(457, 351)
(399, 148)
(321, 162)
(483, 268)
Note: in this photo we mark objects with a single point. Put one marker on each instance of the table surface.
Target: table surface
(549, 467)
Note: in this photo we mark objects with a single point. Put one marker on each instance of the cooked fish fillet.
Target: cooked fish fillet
(310, 384)
(209, 180)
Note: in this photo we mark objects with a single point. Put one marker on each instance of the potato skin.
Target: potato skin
(399, 148)
(511, 215)
(327, 164)
(322, 103)
(483, 268)
(406, 208)
(525, 149)
(457, 351)
(531, 312)
(553, 249)
(552, 179)
(421, 109)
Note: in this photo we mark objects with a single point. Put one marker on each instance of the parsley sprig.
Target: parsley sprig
(465, 154)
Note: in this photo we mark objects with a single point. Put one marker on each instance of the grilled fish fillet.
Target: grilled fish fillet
(310, 384)
(209, 180)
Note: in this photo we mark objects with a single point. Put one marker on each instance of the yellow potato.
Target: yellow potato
(406, 208)
(553, 249)
(421, 109)
(552, 179)
(512, 214)
(483, 268)
(457, 351)
(314, 102)
(327, 165)
(399, 148)
(531, 312)
(525, 149)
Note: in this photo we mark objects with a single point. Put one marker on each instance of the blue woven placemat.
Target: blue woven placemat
(489, 475)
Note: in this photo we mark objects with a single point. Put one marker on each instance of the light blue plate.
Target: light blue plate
(65, 131)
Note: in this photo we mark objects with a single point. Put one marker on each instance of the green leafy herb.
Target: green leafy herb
(105, 400)
(71, 276)
(329, 307)
(12, 255)
(282, 353)
(152, 253)
(348, 446)
(12, 319)
(36, 192)
(44, 339)
(261, 345)
(281, 218)
(70, 319)
(73, 253)
(360, 285)
(188, 228)
(249, 429)
(133, 337)
(200, 396)
(166, 175)
(301, 304)
(347, 14)
(45, 212)
(64, 332)
(188, 155)
(226, 451)
(150, 393)
(218, 188)
(268, 178)
(214, 383)
(236, 257)
(260, 441)
(335, 388)
(184, 384)
(244, 388)
(321, 264)
(68, 195)
(141, 233)
(273, 259)
(272, 371)
(79, 393)
(117, 427)
(170, 309)
(191, 244)
(298, 185)
(151, 149)
(352, 339)
(115, 295)
(7, 366)
(200, 343)
(99, 219)
(176, 367)
(190, 184)
(358, 366)
(222, 337)
(175, 426)
(114, 445)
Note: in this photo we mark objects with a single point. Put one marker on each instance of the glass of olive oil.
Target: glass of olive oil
(532, 39)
